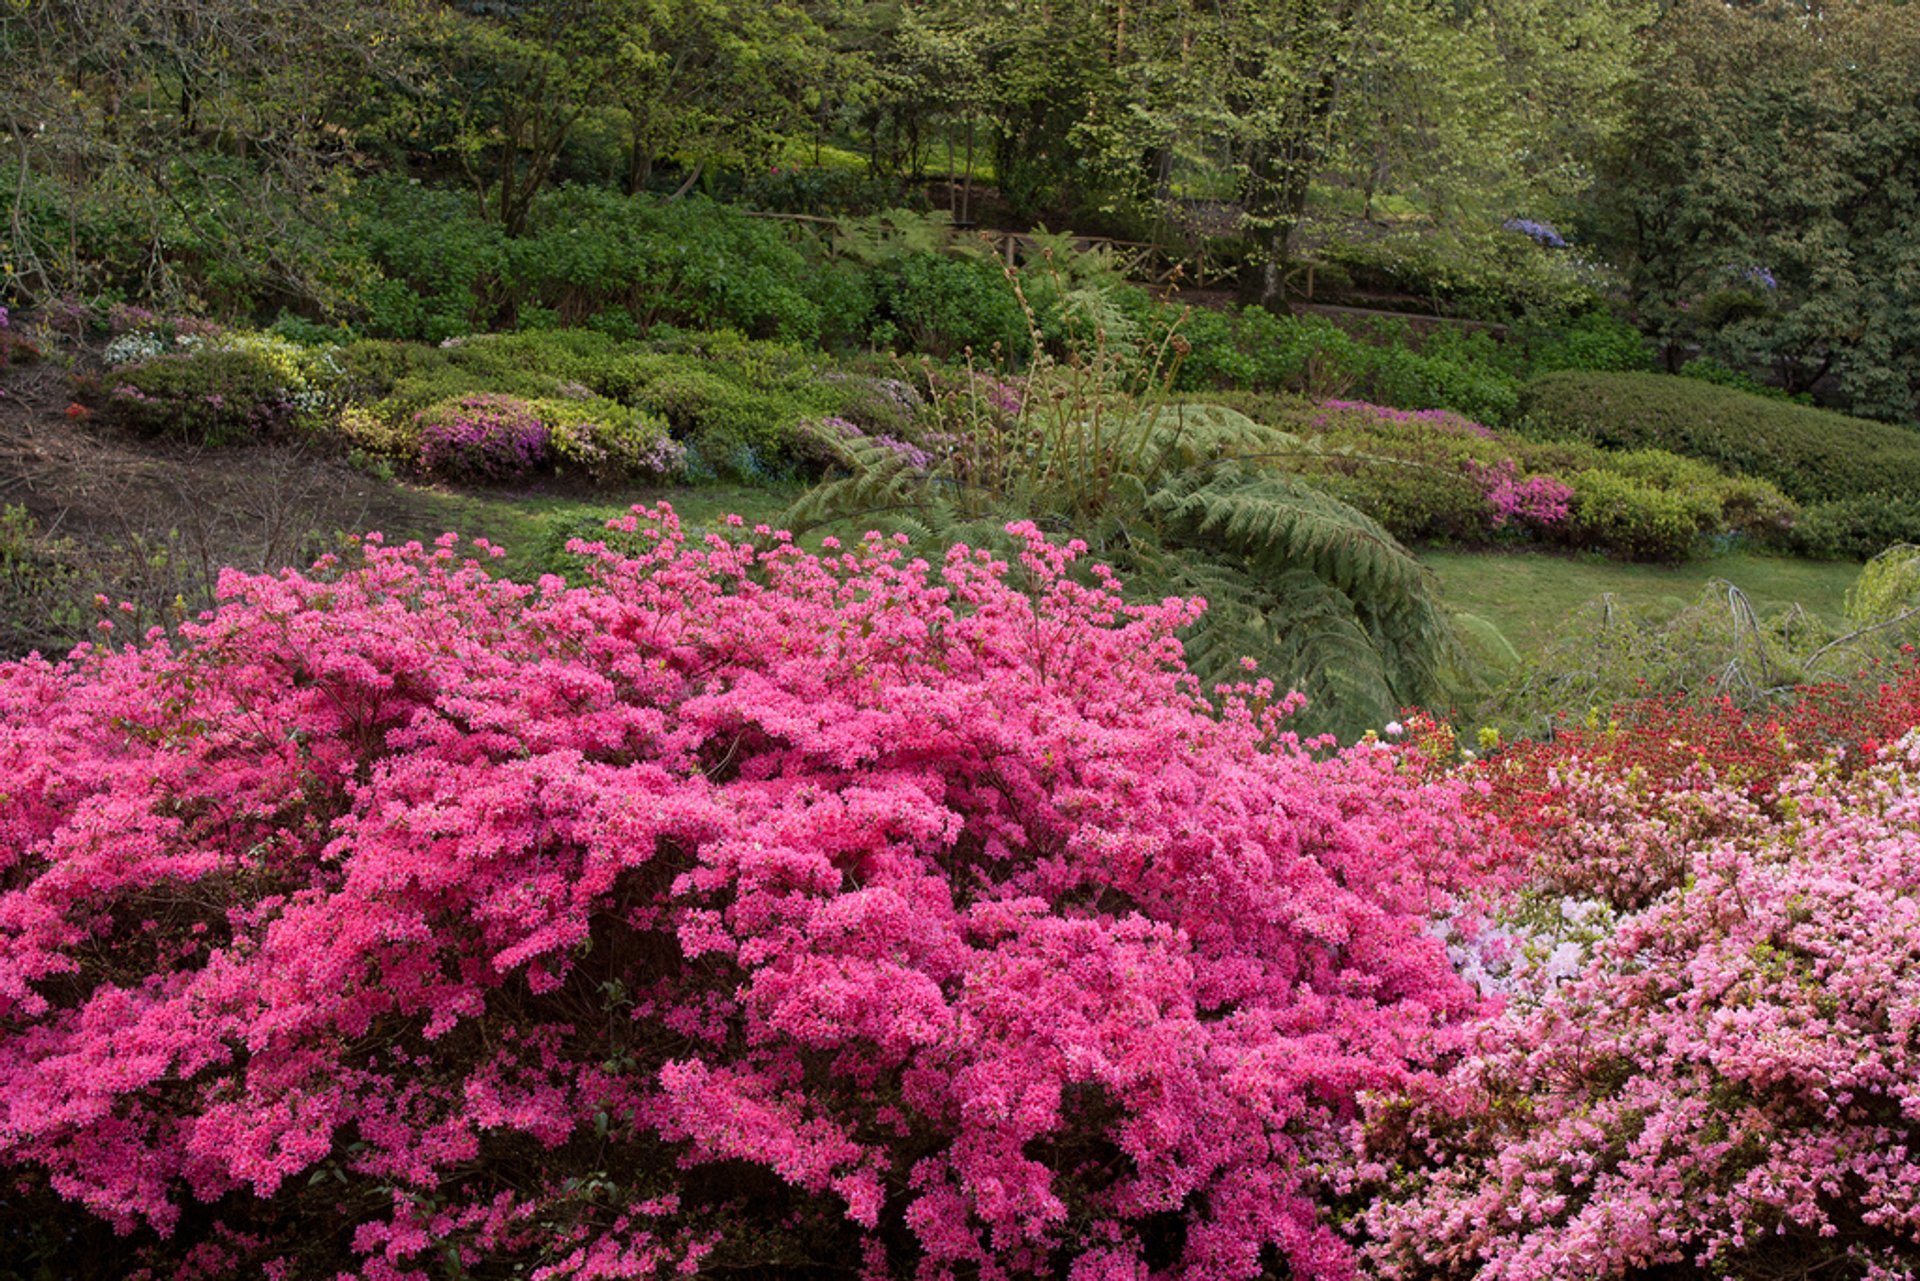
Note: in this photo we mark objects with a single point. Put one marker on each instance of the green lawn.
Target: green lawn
(1527, 595)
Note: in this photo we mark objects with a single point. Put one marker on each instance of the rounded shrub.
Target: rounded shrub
(207, 396)
(482, 437)
(733, 910)
(1637, 519)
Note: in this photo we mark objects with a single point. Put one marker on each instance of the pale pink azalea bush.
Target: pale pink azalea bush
(1728, 1085)
(738, 908)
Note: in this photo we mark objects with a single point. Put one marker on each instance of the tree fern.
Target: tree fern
(1179, 501)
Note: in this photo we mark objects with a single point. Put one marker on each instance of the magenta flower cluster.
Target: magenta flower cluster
(736, 897)
(998, 394)
(1537, 500)
(482, 437)
(1438, 419)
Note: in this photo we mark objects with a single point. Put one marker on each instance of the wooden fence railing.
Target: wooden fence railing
(1138, 260)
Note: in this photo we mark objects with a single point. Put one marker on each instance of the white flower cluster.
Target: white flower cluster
(131, 349)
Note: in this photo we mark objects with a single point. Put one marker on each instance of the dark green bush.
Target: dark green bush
(942, 306)
(1598, 341)
(1857, 528)
(589, 258)
(205, 397)
(1709, 370)
(1813, 455)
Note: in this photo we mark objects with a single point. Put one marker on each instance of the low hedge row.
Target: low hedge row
(1857, 480)
(1432, 476)
(696, 404)
(1813, 455)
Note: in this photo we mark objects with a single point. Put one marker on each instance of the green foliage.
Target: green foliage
(38, 582)
(944, 306)
(1637, 519)
(1813, 455)
(1180, 500)
(217, 393)
(1608, 653)
(1857, 528)
(1748, 199)
(1254, 349)
(1493, 275)
(1888, 588)
(1709, 370)
(1427, 481)
(1597, 341)
(734, 405)
(608, 441)
(587, 256)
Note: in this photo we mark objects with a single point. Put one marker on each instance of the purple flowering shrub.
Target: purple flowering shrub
(840, 437)
(1544, 234)
(482, 437)
(1535, 500)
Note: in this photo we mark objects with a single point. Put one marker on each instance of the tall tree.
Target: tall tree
(1766, 200)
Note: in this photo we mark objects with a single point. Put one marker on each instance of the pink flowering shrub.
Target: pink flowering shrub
(1730, 1079)
(1445, 420)
(739, 908)
(481, 437)
(1536, 500)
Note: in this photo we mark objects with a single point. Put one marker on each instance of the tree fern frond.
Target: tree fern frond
(1353, 614)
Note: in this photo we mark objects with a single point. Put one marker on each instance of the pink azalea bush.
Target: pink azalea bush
(482, 437)
(1535, 500)
(1729, 1081)
(739, 908)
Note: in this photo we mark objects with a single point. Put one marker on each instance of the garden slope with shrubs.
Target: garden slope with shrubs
(1859, 480)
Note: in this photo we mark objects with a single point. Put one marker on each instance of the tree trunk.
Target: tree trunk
(1275, 199)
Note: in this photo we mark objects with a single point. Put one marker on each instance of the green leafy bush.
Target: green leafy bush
(225, 390)
(1599, 341)
(1709, 370)
(1813, 455)
(1636, 518)
(589, 257)
(1857, 528)
(942, 306)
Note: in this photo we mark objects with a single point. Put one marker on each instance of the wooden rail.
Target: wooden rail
(1137, 260)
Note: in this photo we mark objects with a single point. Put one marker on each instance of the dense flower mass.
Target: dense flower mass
(1729, 1080)
(482, 437)
(738, 908)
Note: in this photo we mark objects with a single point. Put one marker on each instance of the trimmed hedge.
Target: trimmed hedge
(1434, 477)
(1813, 455)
